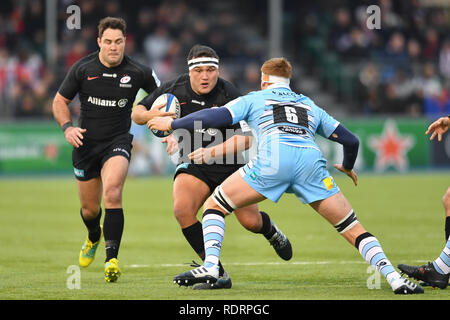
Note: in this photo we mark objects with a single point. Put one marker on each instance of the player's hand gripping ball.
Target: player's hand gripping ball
(172, 105)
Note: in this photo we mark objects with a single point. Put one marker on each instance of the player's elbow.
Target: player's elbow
(59, 103)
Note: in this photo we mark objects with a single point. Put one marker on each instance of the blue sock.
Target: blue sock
(442, 263)
(371, 251)
(213, 232)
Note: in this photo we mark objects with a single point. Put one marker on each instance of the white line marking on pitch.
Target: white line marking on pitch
(254, 263)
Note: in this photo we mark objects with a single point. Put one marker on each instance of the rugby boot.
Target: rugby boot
(404, 286)
(88, 250)
(426, 273)
(198, 275)
(112, 270)
(224, 282)
(281, 244)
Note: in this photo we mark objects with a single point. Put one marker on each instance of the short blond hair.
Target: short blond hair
(279, 67)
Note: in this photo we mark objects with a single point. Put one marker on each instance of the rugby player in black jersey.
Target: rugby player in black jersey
(205, 155)
(107, 82)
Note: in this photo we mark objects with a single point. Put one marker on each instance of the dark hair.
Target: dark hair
(198, 51)
(111, 23)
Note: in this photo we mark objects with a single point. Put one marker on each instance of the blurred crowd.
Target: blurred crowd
(159, 34)
(402, 68)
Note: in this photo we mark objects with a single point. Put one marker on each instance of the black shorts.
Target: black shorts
(88, 159)
(212, 175)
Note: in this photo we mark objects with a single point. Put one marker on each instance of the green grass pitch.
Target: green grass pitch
(42, 233)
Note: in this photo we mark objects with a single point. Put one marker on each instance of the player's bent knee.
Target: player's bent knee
(184, 215)
(446, 198)
(90, 212)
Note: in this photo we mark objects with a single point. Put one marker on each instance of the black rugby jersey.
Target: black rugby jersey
(106, 94)
(190, 102)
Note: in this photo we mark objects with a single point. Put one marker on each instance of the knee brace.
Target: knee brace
(222, 200)
(346, 223)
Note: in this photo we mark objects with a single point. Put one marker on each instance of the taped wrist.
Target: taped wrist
(66, 125)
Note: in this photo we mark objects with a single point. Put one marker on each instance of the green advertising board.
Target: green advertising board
(34, 148)
(386, 145)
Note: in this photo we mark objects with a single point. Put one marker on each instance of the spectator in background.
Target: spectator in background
(340, 39)
(444, 59)
(430, 82)
(77, 51)
(156, 46)
(369, 79)
(409, 37)
(251, 79)
(27, 105)
(395, 56)
(358, 48)
(431, 45)
(414, 53)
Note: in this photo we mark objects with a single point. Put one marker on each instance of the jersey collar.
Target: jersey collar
(278, 85)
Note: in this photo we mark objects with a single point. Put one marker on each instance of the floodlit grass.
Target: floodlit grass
(42, 233)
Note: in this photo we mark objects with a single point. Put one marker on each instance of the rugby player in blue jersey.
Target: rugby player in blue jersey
(288, 160)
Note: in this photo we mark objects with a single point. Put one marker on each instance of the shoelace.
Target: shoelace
(278, 240)
(194, 264)
(87, 247)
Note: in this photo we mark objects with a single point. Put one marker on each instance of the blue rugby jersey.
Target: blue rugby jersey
(281, 114)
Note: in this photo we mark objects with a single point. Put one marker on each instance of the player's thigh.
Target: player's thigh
(237, 192)
(113, 174)
(189, 194)
(90, 194)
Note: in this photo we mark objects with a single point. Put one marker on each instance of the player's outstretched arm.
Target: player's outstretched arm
(61, 113)
(439, 127)
(207, 118)
(141, 115)
(233, 145)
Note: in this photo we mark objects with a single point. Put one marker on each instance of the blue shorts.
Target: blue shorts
(301, 171)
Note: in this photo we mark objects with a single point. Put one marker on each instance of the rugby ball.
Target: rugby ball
(172, 105)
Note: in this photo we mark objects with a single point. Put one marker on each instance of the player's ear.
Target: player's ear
(99, 41)
(262, 85)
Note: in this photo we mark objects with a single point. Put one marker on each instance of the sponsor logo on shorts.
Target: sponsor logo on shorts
(78, 172)
(328, 182)
(122, 150)
(182, 166)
